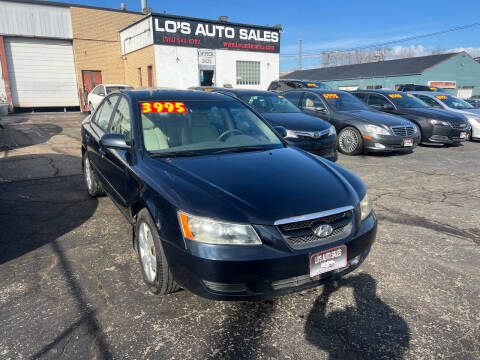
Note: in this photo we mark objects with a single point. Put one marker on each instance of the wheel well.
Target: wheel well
(135, 209)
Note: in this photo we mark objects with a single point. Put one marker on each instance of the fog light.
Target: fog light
(355, 260)
(379, 146)
(223, 287)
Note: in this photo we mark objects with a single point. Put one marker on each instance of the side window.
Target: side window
(121, 120)
(294, 97)
(104, 113)
(312, 102)
(101, 90)
(375, 99)
(428, 100)
(274, 86)
(361, 96)
(95, 91)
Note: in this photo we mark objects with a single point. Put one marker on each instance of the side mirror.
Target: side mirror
(281, 130)
(114, 141)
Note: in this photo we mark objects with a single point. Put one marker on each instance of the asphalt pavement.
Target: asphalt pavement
(71, 287)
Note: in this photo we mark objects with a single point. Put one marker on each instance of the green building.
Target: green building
(458, 72)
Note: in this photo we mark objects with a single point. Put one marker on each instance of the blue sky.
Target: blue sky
(340, 24)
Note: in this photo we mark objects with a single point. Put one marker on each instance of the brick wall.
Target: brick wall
(96, 42)
(139, 59)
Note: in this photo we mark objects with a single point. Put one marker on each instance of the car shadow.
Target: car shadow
(242, 332)
(369, 330)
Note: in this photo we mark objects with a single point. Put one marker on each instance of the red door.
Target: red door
(91, 79)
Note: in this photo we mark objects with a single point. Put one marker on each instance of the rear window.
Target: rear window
(342, 101)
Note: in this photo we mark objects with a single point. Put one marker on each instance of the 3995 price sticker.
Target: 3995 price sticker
(330, 96)
(163, 107)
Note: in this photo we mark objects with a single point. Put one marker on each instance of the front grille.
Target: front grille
(459, 126)
(300, 234)
(403, 131)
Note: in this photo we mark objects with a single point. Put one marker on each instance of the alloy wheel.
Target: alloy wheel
(348, 141)
(147, 251)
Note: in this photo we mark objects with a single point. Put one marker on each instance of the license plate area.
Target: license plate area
(463, 135)
(328, 260)
(407, 142)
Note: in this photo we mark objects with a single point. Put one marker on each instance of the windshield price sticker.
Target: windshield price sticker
(311, 85)
(330, 96)
(442, 97)
(163, 107)
(433, 88)
(395, 96)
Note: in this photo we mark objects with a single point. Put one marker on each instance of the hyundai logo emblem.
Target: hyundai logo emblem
(323, 231)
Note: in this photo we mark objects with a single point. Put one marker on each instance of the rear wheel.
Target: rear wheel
(155, 268)
(93, 186)
(350, 141)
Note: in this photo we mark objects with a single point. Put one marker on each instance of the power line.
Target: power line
(315, 53)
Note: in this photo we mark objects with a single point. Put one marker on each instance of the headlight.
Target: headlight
(211, 231)
(374, 129)
(331, 131)
(365, 207)
(438, 122)
(291, 134)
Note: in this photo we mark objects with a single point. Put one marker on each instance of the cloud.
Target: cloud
(473, 51)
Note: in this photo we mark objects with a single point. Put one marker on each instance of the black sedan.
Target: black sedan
(288, 84)
(359, 129)
(307, 132)
(434, 125)
(219, 203)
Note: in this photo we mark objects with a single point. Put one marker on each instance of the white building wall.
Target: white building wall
(226, 68)
(177, 67)
(34, 20)
(137, 36)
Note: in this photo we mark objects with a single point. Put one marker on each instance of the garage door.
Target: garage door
(42, 72)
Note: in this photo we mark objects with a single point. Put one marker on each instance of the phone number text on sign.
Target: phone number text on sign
(163, 107)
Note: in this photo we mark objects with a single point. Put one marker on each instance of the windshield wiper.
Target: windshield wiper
(175, 154)
(240, 149)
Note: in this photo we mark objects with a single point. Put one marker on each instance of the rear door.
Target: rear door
(99, 125)
(117, 162)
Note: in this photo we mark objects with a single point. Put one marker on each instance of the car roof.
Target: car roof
(248, 91)
(379, 91)
(301, 80)
(431, 93)
(171, 94)
(318, 90)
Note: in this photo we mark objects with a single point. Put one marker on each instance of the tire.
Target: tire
(350, 141)
(91, 181)
(419, 131)
(153, 262)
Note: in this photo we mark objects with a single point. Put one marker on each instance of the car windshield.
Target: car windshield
(188, 128)
(111, 89)
(342, 101)
(270, 103)
(406, 101)
(454, 103)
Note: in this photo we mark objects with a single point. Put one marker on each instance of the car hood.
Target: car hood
(254, 187)
(376, 117)
(438, 114)
(296, 121)
(470, 112)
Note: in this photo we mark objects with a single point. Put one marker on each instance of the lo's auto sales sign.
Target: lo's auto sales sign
(214, 35)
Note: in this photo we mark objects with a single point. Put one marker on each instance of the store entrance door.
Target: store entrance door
(206, 77)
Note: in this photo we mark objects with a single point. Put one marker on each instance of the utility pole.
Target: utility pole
(300, 54)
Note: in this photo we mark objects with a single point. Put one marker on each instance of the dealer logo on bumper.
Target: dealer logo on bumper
(323, 231)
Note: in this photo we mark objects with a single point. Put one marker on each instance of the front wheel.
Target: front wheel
(155, 268)
(350, 141)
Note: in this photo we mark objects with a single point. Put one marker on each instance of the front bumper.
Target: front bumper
(388, 143)
(325, 147)
(259, 272)
(446, 135)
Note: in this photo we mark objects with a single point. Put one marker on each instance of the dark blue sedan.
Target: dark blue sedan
(219, 203)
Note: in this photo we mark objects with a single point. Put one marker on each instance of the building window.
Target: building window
(150, 75)
(248, 72)
(140, 76)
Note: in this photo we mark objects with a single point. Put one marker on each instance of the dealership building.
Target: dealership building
(53, 54)
(459, 73)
